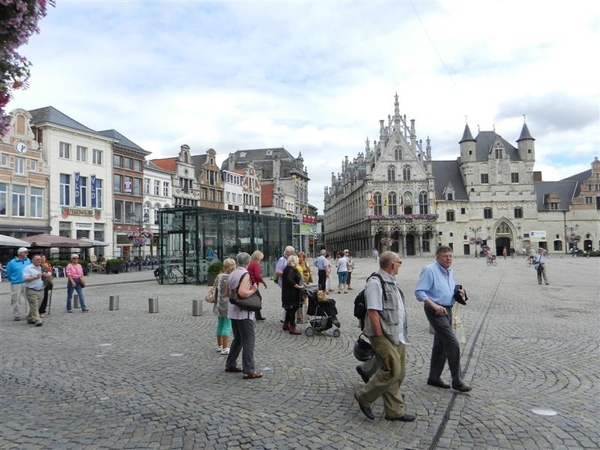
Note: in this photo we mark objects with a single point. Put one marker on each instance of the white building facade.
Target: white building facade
(79, 163)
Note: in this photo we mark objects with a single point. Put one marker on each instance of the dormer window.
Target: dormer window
(269, 153)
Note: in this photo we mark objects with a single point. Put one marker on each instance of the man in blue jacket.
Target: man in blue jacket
(14, 273)
(435, 290)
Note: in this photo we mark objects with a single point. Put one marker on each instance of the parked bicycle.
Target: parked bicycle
(171, 273)
(165, 274)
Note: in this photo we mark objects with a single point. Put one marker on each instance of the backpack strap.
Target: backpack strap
(375, 274)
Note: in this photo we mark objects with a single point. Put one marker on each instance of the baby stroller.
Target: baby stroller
(323, 313)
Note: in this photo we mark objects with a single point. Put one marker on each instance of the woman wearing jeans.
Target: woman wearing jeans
(76, 282)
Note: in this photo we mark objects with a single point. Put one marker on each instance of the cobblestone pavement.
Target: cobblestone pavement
(130, 379)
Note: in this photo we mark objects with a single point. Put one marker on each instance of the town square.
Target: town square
(128, 378)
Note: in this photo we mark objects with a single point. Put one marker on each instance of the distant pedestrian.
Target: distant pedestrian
(350, 268)
(291, 294)
(14, 273)
(321, 263)
(307, 278)
(435, 289)
(282, 263)
(48, 285)
(328, 285)
(221, 307)
(76, 283)
(342, 273)
(539, 263)
(255, 272)
(375, 254)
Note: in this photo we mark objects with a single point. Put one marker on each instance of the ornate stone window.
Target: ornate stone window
(378, 208)
(392, 204)
(423, 203)
(391, 173)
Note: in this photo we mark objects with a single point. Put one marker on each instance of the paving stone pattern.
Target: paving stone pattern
(129, 379)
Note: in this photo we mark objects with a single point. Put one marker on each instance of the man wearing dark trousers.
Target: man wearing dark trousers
(436, 290)
(321, 263)
(385, 326)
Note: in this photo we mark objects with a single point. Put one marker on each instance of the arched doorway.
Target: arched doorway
(410, 245)
(501, 244)
(504, 237)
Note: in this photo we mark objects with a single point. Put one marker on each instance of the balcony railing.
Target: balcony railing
(405, 217)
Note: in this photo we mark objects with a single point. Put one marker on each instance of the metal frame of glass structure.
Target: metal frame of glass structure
(191, 239)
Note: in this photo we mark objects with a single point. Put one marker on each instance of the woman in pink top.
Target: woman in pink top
(76, 282)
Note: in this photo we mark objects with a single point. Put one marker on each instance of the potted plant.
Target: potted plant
(213, 270)
(114, 265)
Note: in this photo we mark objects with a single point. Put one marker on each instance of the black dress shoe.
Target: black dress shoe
(362, 374)
(461, 387)
(404, 418)
(438, 383)
(364, 408)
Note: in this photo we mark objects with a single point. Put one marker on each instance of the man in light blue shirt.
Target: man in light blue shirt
(321, 263)
(539, 262)
(436, 290)
(14, 273)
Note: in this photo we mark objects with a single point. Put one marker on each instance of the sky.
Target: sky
(316, 77)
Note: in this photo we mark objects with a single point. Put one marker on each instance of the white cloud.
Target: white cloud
(316, 77)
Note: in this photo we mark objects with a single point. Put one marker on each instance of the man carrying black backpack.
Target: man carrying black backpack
(385, 326)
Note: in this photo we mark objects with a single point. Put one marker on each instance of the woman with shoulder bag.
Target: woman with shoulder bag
(76, 283)
(242, 321)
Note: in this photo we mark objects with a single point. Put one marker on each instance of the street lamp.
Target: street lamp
(139, 237)
(572, 238)
(475, 240)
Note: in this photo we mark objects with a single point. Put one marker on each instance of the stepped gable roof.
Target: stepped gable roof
(580, 178)
(52, 115)
(266, 194)
(484, 142)
(565, 190)
(169, 164)
(198, 161)
(123, 142)
(448, 172)
(151, 166)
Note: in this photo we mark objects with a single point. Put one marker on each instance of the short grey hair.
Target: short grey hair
(242, 259)
(290, 250)
(386, 259)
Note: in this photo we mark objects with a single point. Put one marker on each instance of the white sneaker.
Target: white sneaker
(219, 349)
(225, 351)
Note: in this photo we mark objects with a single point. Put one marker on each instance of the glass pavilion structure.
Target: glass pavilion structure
(191, 239)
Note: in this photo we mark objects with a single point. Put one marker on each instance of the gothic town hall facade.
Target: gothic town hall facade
(394, 196)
